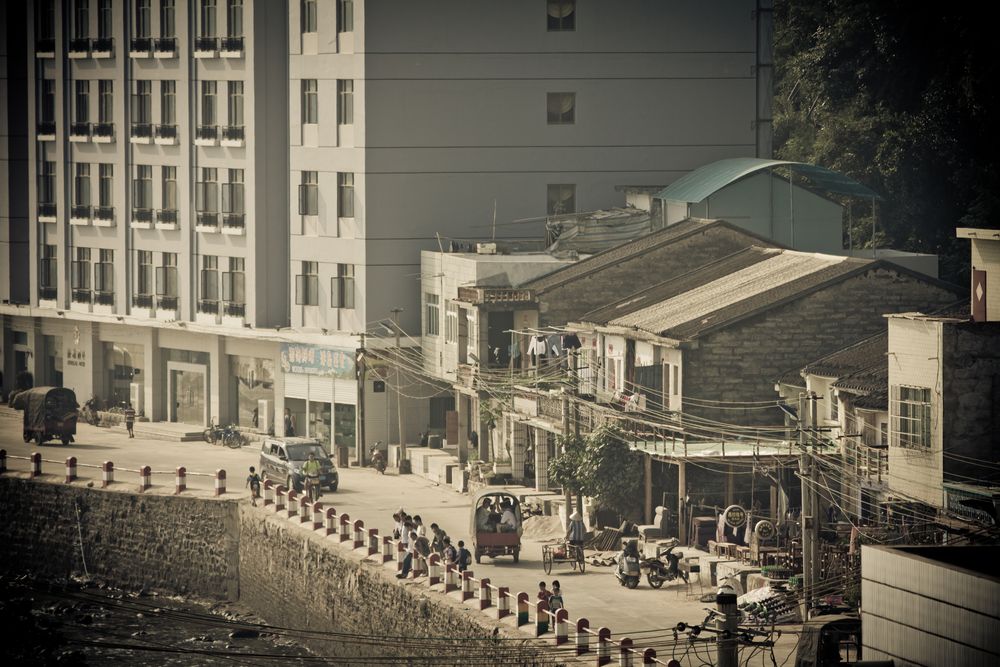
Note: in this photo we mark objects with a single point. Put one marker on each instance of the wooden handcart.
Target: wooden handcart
(563, 553)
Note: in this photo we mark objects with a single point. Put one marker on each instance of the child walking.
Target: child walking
(253, 482)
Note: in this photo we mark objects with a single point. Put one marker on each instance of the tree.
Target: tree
(612, 471)
(566, 468)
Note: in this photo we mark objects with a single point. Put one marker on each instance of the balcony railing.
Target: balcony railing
(165, 46)
(140, 46)
(104, 298)
(207, 132)
(105, 131)
(234, 309)
(47, 293)
(166, 302)
(80, 211)
(142, 301)
(206, 45)
(79, 131)
(103, 47)
(166, 216)
(233, 133)
(79, 47)
(207, 306)
(46, 210)
(166, 132)
(486, 295)
(141, 130)
(208, 219)
(45, 48)
(81, 295)
(142, 215)
(232, 45)
(47, 128)
(106, 213)
(234, 220)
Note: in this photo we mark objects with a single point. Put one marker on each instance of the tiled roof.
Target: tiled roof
(861, 355)
(734, 295)
(631, 249)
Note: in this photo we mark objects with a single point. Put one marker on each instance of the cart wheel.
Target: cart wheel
(546, 561)
(65, 440)
(517, 555)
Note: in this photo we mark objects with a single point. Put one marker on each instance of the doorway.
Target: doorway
(187, 393)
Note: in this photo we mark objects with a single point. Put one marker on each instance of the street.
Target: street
(645, 614)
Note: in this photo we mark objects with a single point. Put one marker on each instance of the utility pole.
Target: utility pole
(814, 499)
(359, 429)
(805, 515)
(404, 463)
(727, 643)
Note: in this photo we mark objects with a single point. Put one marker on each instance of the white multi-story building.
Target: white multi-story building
(222, 192)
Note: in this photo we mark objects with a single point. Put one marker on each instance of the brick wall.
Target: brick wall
(568, 302)
(740, 362)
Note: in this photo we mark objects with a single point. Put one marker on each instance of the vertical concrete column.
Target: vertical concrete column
(517, 444)
(625, 652)
(681, 493)
(503, 602)
(331, 521)
(484, 594)
(155, 382)
(36, 464)
(434, 570)
(541, 617)
(70, 469)
(522, 609)
(561, 629)
(107, 473)
(541, 460)
(461, 405)
(181, 483)
(649, 658)
(647, 479)
(467, 585)
(279, 499)
(219, 382)
(582, 636)
(145, 478)
(603, 646)
(220, 482)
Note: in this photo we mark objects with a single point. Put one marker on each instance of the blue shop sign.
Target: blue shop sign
(315, 360)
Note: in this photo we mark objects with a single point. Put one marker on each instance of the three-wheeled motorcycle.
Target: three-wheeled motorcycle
(50, 413)
(491, 537)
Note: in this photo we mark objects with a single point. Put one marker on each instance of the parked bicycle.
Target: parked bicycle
(214, 433)
(233, 438)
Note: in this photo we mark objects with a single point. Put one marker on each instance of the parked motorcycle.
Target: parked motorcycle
(628, 570)
(378, 461)
(665, 567)
(89, 412)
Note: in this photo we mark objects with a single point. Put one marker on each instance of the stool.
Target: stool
(743, 554)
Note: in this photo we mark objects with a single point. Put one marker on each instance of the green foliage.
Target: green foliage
(904, 102)
(602, 467)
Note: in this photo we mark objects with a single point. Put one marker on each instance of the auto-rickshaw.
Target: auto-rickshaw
(50, 413)
(490, 537)
(833, 641)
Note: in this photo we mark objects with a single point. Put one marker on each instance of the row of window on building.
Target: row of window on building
(342, 286)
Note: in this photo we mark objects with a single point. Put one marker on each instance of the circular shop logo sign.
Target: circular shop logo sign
(734, 516)
(765, 530)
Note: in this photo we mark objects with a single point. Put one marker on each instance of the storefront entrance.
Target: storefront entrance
(187, 391)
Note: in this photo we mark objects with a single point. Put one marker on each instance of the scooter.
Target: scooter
(628, 570)
(312, 487)
(665, 567)
(378, 461)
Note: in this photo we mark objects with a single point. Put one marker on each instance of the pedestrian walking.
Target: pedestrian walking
(543, 593)
(289, 423)
(555, 597)
(253, 483)
(464, 557)
(438, 536)
(130, 420)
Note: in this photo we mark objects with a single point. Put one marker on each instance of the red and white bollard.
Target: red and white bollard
(279, 498)
(582, 636)
(305, 508)
(625, 652)
(359, 534)
(603, 646)
(70, 469)
(317, 515)
(541, 617)
(372, 541)
(345, 527)
(522, 609)
(293, 503)
(467, 585)
(220, 482)
(484, 594)
(107, 473)
(331, 521)
(503, 602)
(180, 480)
(649, 657)
(36, 464)
(434, 570)
(267, 491)
(562, 627)
(450, 578)
(145, 475)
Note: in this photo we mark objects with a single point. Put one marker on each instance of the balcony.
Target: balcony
(47, 293)
(206, 135)
(140, 47)
(206, 47)
(207, 222)
(141, 133)
(166, 307)
(142, 218)
(165, 47)
(46, 212)
(232, 47)
(80, 214)
(79, 48)
(81, 295)
(142, 302)
(208, 312)
(104, 298)
(230, 309)
(232, 136)
(46, 130)
(79, 132)
(234, 224)
(45, 48)
(166, 135)
(166, 219)
(102, 133)
(104, 216)
(103, 47)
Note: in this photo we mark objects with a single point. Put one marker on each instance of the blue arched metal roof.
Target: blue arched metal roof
(709, 179)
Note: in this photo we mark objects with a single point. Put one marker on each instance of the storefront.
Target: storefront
(187, 373)
(321, 393)
(123, 365)
(252, 383)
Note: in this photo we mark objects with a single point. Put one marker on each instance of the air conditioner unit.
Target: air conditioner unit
(486, 248)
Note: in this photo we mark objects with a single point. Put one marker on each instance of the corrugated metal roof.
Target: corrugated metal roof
(704, 181)
(853, 358)
(597, 231)
(784, 275)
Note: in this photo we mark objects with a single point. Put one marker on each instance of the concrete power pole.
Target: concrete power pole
(404, 463)
(727, 643)
(359, 429)
(805, 515)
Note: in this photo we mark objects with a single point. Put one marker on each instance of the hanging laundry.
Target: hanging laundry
(554, 344)
(571, 342)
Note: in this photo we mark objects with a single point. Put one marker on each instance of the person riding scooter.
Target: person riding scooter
(311, 470)
(628, 570)
(378, 461)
